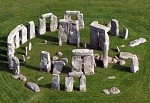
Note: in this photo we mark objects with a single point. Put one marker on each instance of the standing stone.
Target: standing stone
(23, 34)
(23, 58)
(125, 33)
(17, 40)
(84, 45)
(30, 46)
(80, 20)
(31, 30)
(42, 26)
(88, 63)
(135, 64)
(16, 65)
(53, 23)
(68, 84)
(74, 36)
(76, 63)
(83, 83)
(55, 82)
(26, 50)
(45, 62)
(58, 66)
(114, 27)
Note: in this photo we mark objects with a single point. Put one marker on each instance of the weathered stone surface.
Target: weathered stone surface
(111, 77)
(125, 33)
(59, 53)
(40, 78)
(54, 58)
(99, 39)
(74, 35)
(42, 26)
(88, 65)
(46, 15)
(75, 74)
(34, 87)
(81, 21)
(106, 91)
(31, 30)
(65, 60)
(109, 25)
(114, 90)
(53, 23)
(58, 66)
(16, 65)
(30, 46)
(126, 55)
(137, 42)
(82, 83)
(45, 62)
(68, 84)
(135, 64)
(23, 34)
(122, 62)
(26, 50)
(82, 52)
(20, 77)
(23, 58)
(55, 82)
(76, 63)
(114, 27)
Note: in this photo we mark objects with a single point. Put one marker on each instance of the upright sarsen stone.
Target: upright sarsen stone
(68, 84)
(55, 82)
(82, 83)
(42, 26)
(16, 65)
(53, 23)
(31, 30)
(80, 20)
(125, 33)
(114, 27)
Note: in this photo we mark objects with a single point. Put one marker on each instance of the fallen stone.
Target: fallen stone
(114, 90)
(137, 42)
(125, 55)
(58, 66)
(106, 91)
(65, 60)
(121, 62)
(75, 74)
(54, 58)
(34, 87)
(59, 53)
(125, 33)
(115, 60)
(40, 78)
(20, 77)
(111, 77)
(110, 59)
(30, 46)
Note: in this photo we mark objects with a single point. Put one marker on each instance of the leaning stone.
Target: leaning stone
(82, 83)
(55, 82)
(114, 90)
(106, 91)
(137, 42)
(68, 84)
(75, 74)
(125, 33)
(122, 46)
(34, 87)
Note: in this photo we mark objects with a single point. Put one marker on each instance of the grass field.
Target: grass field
(133, 14)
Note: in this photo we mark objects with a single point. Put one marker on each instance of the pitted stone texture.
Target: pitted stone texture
(53, 23)
(137, 42)
(68, 84)
(45, 62)
(16, 65)
(58, 66)
(34, 87)
(55, 82)
(31, 30)
(125, 33)
(42, 26)
(82, 83)
(76, 63)
(114, 27)
(54, 58)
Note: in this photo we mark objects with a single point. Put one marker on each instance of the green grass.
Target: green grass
(133, 14)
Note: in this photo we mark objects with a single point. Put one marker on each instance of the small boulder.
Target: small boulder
(114, 90)
(106, 91)
(34, 87)
(59, 53)
(54, 58)
(20, 77)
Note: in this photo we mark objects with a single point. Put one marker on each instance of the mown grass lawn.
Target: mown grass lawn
(133, 14)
